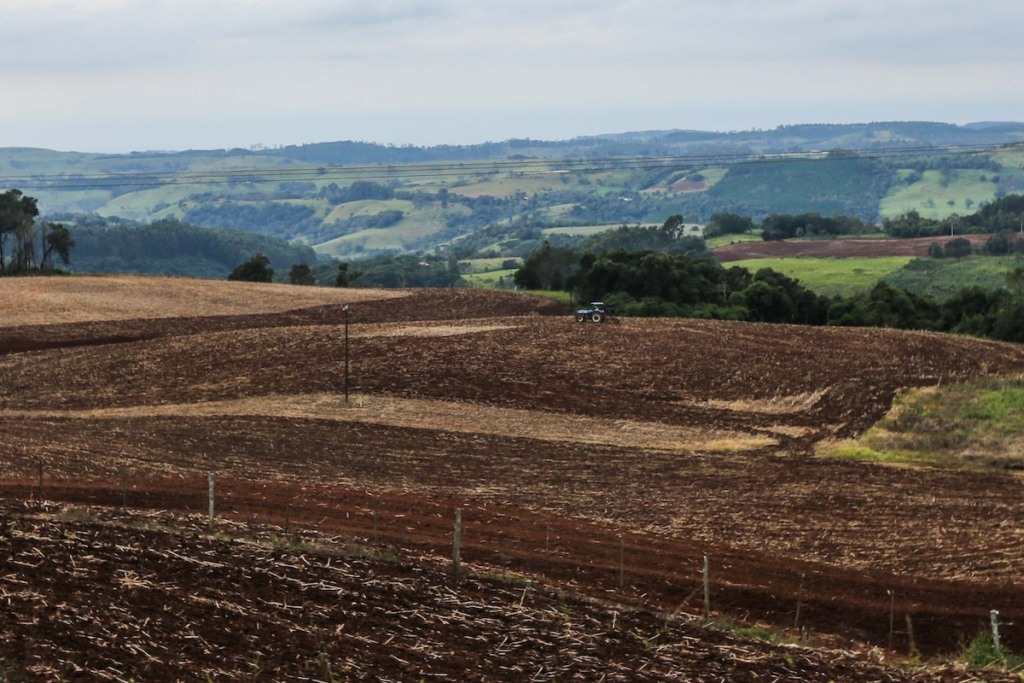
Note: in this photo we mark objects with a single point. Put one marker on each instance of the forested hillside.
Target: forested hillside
(171, 247)
(355, 200)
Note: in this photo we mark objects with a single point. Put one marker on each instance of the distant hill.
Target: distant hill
(430, 197)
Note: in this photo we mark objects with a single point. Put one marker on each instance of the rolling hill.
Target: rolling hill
(429, 197)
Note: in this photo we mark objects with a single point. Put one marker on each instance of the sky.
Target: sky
(134, 75)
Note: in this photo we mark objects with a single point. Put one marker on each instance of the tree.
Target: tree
(56, 240)
(344, 278)
(911, 224)
(958, 248)
(767, 303)
(998, 244)
(548, 268)
(17, 218)
(1015, 282)
(728, 224)
(301, 274)
(673, 227)
(256, 269)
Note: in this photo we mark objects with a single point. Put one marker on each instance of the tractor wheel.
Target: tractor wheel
(580, 318)
(597, 317)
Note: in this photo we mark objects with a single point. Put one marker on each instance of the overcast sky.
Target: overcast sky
(124, 75)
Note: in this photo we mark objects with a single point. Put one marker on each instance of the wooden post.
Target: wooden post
(799, 601)
(547, 563)
(457, 545)
(344, 310)
(40, 464)
(211, 477)
(994, 620)
(910, 635)
(622, 562)
(707, 590)
(892, 614)
(376, 536)
(124, 490)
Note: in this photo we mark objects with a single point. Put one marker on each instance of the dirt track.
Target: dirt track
(142, 417)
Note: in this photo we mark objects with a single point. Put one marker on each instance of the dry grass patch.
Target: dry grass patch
(776, 405)
(47, 300)
(971, 425)
(427, 330)
(467, 418)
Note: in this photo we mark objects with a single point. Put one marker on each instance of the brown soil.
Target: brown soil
(871, 248)
(701, 444)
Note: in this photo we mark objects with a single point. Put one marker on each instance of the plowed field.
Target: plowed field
(588, 461)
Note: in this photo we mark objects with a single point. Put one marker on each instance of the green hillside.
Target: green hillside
(937, 194)
(942, 278)
(433, 197)
(170, 247)
(831, 276)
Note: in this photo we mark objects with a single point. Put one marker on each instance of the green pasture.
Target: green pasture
(418, 223)
(830, 276)
(556, 212)
(70, 201)
(711, 176)
(942, 278)
(489, 280)
(486, 265)
(1010, 157)
(975, 425)
(934, 197)
(506, 186)
(724, 240)
(561, 297)
(368, 207)
(580, 230)
(140, 206)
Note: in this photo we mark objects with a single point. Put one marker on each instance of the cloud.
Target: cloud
(661, 62)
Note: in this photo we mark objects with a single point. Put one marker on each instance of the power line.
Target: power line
(448, 169)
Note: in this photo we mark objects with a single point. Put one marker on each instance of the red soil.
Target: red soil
(625, 524)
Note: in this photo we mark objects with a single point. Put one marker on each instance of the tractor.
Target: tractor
(595, 314)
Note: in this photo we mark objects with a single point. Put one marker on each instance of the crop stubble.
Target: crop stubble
(757, 502)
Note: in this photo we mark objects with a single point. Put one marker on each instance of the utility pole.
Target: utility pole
(344, 310)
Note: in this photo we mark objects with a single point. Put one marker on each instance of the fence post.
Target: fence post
(40, 464)
(799, 601)
(913, 651)
(892, 613)
(457, 545)
(211, 477)
(994, 619)
(622, 562)
(707, 590)
(124, 489)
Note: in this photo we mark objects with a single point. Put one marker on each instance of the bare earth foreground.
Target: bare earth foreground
(594, 467)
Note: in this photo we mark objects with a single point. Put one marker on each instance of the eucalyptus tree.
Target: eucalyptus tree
(17, 220)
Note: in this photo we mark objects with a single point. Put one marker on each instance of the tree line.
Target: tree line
(1002, 215)
(656, 283)
(20, 233)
